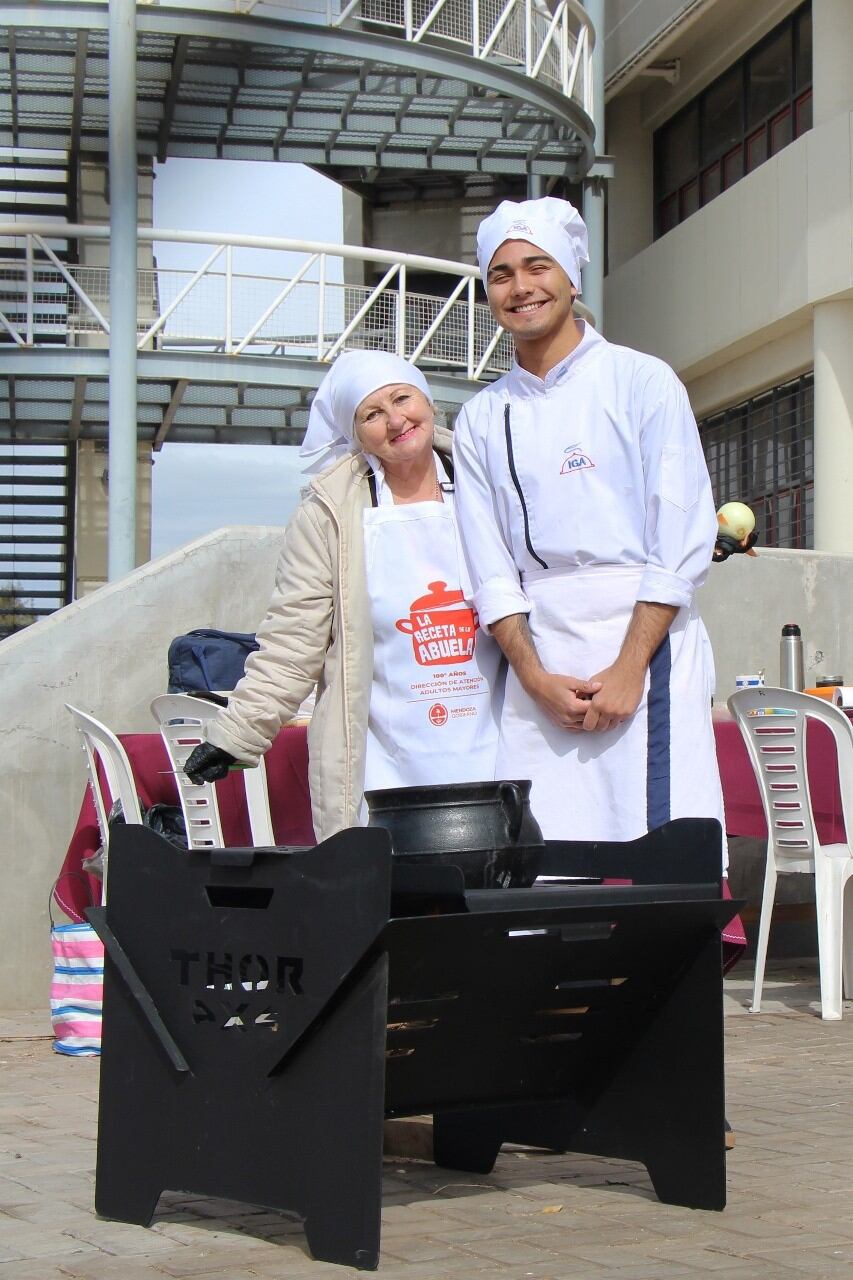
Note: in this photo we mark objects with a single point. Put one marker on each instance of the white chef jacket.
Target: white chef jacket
(578, 495)
(603, 467)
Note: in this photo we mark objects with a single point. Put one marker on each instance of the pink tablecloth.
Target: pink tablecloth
(290, 806)
(744, 811)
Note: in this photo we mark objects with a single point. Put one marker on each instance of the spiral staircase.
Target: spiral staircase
(404, 102)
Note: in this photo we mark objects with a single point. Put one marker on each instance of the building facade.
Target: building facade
(730, 240)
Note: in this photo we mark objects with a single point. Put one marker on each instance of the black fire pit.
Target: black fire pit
(265, 1010)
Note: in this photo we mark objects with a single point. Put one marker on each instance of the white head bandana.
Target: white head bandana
(550, 224)
(354, 375)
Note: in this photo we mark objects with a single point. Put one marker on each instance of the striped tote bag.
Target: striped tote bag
(76, 989)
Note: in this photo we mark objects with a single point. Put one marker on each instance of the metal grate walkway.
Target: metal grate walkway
(349, 102)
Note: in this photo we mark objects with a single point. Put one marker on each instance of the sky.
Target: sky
(197, 487)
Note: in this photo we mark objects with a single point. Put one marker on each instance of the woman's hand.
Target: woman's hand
(207, 763)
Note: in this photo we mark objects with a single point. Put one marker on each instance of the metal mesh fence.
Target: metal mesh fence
(519, 40)
(761, 452)
(308, 321)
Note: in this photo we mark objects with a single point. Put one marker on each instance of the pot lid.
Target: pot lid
(438, 598)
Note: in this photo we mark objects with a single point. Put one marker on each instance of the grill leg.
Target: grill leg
(468, 1142)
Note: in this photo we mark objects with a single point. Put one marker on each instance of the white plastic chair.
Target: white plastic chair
(773, 724)
(182, 722)
(101, 744)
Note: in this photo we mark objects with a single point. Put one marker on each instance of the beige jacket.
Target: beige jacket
(317, 631)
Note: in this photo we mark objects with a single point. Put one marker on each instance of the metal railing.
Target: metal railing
(305, 308)
(552, 44)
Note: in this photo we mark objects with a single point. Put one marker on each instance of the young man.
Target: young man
(587, 519)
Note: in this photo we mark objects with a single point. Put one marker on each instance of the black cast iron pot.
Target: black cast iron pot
(485, 828)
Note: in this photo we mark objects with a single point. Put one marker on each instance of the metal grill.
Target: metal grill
(761, 452)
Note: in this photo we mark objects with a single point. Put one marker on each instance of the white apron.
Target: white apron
(432, 716)
(625, 781)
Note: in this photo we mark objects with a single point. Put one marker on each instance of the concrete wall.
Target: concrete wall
(746, 601)
(447, 229)
(107, 655)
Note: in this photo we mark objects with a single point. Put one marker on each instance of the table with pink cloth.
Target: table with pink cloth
(290, 808)
(742, 798)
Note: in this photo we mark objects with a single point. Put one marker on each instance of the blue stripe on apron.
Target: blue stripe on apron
(658, 742)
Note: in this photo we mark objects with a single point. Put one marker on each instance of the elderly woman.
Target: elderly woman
(370, 606)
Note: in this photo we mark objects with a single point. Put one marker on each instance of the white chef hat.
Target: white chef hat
(550, 224)
(354, 375)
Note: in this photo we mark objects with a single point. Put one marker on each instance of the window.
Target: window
(748, 114)
(761, 453)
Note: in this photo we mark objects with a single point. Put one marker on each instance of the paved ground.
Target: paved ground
(790, 1210)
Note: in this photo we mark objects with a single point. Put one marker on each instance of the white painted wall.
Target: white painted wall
(749, 265)
(105, 654)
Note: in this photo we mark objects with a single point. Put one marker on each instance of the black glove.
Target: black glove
(207, 763)
(726, 546)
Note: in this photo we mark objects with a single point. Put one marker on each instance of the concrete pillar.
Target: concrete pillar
(352, 208)
(90, 534)
(593, 188)
(832, 58)
(123, 214)
(833, 426)
(832, 26)
(630, 205)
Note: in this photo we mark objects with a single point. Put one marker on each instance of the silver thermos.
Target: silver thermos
(791, 667)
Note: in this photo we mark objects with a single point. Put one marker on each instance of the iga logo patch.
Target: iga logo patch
(576, 460)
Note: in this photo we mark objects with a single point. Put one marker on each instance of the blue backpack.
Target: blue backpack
(207, 659)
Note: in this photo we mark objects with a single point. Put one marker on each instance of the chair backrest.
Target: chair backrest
(102, 745)
(182, 721)
(773, 724)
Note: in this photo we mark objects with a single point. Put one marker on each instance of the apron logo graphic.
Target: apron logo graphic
(575, 460)
(442, 627)
(438, 715)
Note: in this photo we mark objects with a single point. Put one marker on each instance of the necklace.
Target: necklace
(436, 496)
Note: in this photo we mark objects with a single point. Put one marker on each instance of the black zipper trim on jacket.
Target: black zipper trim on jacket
(510, 457)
